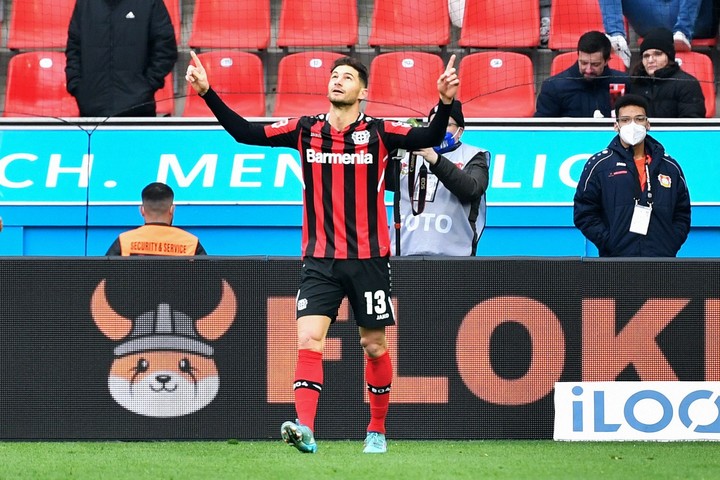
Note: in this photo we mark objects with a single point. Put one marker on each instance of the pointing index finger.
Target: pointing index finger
(195, 59)
(450, 64)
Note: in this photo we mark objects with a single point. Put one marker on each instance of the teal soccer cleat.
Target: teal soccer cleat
(298, 436)
(375, 443)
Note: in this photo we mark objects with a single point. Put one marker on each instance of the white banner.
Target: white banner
(660, 411)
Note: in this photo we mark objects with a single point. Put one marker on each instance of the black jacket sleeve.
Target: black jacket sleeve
(162, 51)
(467, 184)
(114, 250)
(72, 51)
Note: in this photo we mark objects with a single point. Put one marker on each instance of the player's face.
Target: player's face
(345, 87)
(591, 64)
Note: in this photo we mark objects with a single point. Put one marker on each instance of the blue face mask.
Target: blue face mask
(447, 144)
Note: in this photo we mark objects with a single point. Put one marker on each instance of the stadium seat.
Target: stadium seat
(165, 97)
(302, 83)
(410, 23)
(497, 85)
(569, 19)
(700, 66)
(173, 7)
(318, 23)
(501, 24)
(39, 24)
(563, 61)
(231, 24)
(36, 86)
(403, 84)
(239, 79)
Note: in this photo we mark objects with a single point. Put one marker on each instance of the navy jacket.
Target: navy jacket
(605, 200)
(568, 94)
(118, 54)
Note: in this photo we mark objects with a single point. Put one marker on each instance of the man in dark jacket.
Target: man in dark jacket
(670, 92)
(118, 55)
(632, 199)
(583, 90)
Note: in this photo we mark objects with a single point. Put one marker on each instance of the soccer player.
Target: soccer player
(345, 236)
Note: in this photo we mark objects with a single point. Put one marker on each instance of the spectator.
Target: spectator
(157, 237)
(632, 199)
(118, 55)
(346, 244)
(584, 89)
(454, 209)
(685, 18)
(670, 92)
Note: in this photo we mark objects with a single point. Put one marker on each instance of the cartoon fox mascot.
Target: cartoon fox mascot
(164, 368)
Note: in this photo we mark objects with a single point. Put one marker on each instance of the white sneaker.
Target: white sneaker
(619, 44)
(544, 31)
(682, 44)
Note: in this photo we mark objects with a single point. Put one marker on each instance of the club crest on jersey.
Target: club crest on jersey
(361, 138)
(665, 181)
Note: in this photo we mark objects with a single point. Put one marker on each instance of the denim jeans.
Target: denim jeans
(643, 15)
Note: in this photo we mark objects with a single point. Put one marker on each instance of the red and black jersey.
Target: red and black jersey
(343, 174)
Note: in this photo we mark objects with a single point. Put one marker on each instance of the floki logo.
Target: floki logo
(164, 367)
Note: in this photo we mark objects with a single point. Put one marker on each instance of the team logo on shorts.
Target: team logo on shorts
(302, 304)
(665, 181)
(361, 137)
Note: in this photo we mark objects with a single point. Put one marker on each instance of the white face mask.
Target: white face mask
(632, 133)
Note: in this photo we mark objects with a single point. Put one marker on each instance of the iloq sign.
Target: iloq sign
(637, 411)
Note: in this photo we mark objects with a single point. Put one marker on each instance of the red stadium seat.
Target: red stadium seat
(403, 84)
(302, 83)
(317, 23)
(501, 24)
(700, 66)
(36, 86)
(563, 61)
(165, 97)
(410, 23)
(497, 85)
(173, 7)
(239, 79)
(569, 19)
(231, 24)
(39, 24)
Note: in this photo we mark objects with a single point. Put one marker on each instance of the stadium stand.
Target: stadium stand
(501, 24)
(36, 86)
(302, 83)
(700, 66)
(569, 19)
(402, 84)
(238, 77)
(563, 61)
(405, 23)
(318, 23)
(39, 24)
(502, 85)
(231, 24)
(165, 98)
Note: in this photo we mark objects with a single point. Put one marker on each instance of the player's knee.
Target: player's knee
(373, 348)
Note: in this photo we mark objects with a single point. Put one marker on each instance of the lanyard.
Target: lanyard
(422, 190)
(647, 179)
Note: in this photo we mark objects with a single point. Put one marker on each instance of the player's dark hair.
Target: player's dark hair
(354, 63)
(631, 99)
(157, 197)
(594, 41)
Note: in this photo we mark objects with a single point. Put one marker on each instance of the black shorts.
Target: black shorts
(324, 282)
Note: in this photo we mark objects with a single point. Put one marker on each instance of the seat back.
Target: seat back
(498, 85)
(36, 86)
(173, 7)
(410, 23)
(39, 24)
(563, 61)
(299, 25)
(700, 66)
(165, 97)
(501, 24)
(569, 19)
(302, 83)
(237, 77)
(402, 84)
(231, 24)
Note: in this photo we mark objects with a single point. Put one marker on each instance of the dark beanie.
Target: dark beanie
(455, 113)
(659, 39)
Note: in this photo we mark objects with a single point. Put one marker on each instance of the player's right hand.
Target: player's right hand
(196, 75)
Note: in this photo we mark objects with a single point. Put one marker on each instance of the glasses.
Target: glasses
(452, 124)
(636, 119)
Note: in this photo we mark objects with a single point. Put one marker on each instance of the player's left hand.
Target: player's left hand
(448, 82)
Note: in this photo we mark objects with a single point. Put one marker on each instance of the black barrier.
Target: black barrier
(97, 348)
